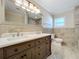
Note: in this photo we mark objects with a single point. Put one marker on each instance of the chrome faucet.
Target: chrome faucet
(14, 30)
(18, 34)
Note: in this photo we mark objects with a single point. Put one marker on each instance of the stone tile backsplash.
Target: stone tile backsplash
(18, 28)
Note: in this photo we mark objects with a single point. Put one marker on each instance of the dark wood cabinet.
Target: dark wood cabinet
(1, 53)
(29, 54)
(36, 49)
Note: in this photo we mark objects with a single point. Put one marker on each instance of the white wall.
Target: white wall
(69, 19)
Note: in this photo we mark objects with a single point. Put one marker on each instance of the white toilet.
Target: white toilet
(56, 48)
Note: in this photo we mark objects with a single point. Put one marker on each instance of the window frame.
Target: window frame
(59, 24)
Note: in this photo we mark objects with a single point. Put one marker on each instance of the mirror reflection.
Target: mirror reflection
(22, 12)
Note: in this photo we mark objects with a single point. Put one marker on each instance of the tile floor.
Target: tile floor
(63, 52)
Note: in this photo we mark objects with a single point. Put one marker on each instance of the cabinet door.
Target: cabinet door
(33, 53)
(1, 53)
(28, 53)
(39, 55)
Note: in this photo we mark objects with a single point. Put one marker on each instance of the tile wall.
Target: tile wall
(67, 34)
(19, 28)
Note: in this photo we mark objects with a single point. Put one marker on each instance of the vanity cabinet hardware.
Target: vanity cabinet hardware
(39, 42)
(39, 47)
(29, 45)
(38, 53)
(15, 50)
(22, 56)
(25, 55)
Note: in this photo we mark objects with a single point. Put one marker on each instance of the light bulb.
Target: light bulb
(28, 9)
(23, 7)
(32, 11)
(37, 11)
(25, 3)
(17, 4)
(19, 1)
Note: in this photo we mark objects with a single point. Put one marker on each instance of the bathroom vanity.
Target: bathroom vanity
(33, 47)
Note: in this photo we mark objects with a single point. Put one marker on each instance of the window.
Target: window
(59, 22)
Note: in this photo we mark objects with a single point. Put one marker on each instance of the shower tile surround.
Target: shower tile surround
(67, 34)
(71, 49)
(70, 35)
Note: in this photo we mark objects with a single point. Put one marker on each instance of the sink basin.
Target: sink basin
(11, 39)
(14, 38)
(18, 38)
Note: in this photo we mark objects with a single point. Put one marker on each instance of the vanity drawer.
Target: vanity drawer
(19, 56)
(39, 41)
(38, 48)
(30, 44)
(39, 55)
(11, 50)
(41, 48)
(40, 52)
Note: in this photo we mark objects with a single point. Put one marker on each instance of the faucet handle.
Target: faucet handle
(18, 34)
(13, 35)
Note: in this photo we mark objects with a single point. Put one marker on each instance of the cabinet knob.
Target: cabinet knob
(16, 50)
(38, 41)
(46, 39)
(29, 45)
(25, 55)
(22, 56)
(39, 47)
(38, 53)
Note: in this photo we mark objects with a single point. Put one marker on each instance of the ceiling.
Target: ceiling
(57, 6)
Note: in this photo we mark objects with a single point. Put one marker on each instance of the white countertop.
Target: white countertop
(4, 42)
